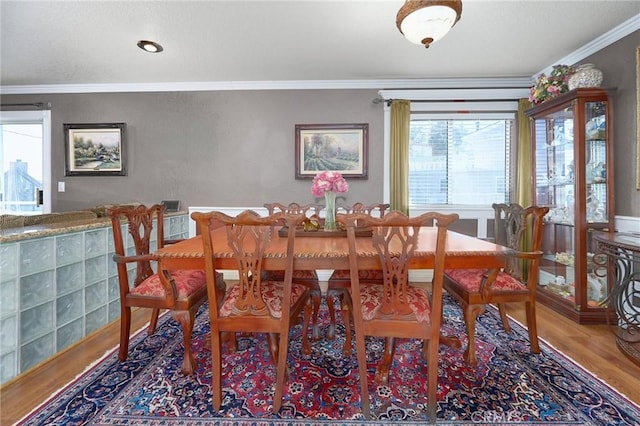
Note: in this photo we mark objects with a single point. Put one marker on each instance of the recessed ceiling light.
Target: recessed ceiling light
(150, 46)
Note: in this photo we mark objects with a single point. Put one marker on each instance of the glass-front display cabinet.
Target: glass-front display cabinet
(573, 176)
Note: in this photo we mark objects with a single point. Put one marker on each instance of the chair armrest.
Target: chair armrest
(169, 285)
(138, 258)
(488, 278)
(490, 275)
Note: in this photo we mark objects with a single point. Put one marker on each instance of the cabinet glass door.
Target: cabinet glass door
(596, 162)
(556, 188)
(596, 198)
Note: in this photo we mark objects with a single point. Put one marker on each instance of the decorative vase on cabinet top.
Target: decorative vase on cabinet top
(586, 75)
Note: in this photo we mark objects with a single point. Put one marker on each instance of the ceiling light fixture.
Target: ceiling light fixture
(150, 46)
(426, 21)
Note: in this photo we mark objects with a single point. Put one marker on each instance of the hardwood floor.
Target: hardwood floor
(591, 346)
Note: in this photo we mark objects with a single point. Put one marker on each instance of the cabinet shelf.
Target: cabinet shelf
(572, 172)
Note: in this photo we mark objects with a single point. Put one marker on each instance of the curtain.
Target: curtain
(524, 188)
(524, 178)
(399, 155)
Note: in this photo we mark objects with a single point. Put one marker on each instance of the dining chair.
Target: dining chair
(397, 308)
(520, 229)
(253, 305)
(308, 278)
(181, 291)
(339, 283)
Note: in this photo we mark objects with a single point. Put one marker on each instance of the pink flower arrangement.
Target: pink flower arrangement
(328, 181)
(548, 87)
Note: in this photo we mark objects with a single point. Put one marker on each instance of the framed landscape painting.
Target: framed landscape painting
(332, 147)
(95, 149)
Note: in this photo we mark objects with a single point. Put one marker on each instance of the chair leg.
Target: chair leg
(432, 378)
(316, 297)
(272, 341)
(331, 331)
(230, 339)
(186, 320)
(362, 366)
(530, 308)
(216, 364)
(153, 323)
(282, 373)
(503, 317)
(471, 312)
(306, 346)
(125, 329)
(382, 371)
(345, 307)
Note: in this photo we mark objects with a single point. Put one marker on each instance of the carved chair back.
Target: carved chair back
(294, 208)
(141, 231)
(520, 229)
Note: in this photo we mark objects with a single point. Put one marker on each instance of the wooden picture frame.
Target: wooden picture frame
(95, 149)
(340, 148)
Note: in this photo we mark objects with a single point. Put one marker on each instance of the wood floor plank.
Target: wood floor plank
(21, 395)
(592, 346)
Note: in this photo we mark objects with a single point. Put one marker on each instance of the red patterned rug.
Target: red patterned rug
(508, 386)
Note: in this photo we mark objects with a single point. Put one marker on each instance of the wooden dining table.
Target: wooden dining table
(322, 250)
(317, 250)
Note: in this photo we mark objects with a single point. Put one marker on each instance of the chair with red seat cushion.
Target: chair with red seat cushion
(521, 230)
(253, 305)
(339, 282)
(396, 308)
(308, 278)
(181, 291)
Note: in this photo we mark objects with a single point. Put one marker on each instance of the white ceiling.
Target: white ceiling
(50, 43)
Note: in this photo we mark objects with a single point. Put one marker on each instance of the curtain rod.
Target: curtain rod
(37, 105)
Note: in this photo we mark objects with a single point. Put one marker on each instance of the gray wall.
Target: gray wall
(236, 148)
(618, 64)
(210, 148)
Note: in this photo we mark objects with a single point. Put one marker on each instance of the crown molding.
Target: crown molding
(268, 85)
(627, 27)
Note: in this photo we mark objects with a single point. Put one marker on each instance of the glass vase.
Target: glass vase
(330, 211)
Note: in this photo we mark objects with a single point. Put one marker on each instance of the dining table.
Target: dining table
(327, 250)
(322, 250)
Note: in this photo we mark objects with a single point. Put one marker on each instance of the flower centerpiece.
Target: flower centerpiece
(327, 184)
(548, 87)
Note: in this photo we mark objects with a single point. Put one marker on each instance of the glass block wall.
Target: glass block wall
(56, 290)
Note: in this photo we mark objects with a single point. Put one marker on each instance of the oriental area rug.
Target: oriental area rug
(508, 386)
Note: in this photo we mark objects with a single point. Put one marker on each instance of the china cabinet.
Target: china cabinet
(573, 176)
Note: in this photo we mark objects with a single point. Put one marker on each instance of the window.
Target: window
(460, 159)
(25, 156)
